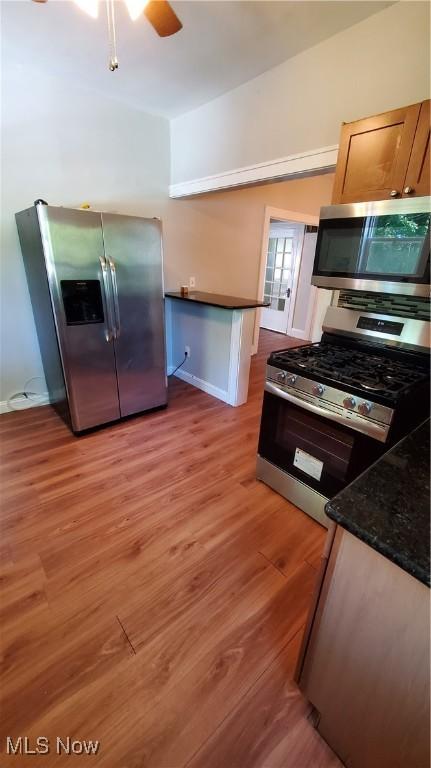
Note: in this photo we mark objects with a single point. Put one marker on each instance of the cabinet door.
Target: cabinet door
(418, 173)
(373, 156)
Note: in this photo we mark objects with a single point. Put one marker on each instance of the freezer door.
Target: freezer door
(133, 249)
(78, 280)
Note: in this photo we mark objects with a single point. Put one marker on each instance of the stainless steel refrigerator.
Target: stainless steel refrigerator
(96, 287)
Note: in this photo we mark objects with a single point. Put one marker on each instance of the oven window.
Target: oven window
(288, 430)
(395, 247)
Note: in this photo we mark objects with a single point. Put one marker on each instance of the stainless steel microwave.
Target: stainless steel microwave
(381, 246)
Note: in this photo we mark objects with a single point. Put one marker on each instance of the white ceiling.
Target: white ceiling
(222, 45)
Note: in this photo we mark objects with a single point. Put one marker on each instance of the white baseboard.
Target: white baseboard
(22, 403)
(205, 386)
(313, 161)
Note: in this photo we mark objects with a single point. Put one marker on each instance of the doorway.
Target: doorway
(303, 303)
(284, 249)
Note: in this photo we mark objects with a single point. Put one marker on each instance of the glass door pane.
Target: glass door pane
(278, 271)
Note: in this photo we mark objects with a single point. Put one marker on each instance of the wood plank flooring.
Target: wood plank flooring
(153, 592)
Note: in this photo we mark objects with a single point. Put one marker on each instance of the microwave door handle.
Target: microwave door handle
(109, 334)
(115, 296)
(373, 429)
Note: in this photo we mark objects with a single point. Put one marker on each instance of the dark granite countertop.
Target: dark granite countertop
(388, 506)
(217, 300)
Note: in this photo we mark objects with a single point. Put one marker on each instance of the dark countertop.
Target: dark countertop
(388, 506)
(217, 300)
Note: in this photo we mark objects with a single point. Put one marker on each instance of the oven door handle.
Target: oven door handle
(370, 428)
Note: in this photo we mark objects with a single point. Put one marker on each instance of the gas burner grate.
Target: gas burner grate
(351, 367)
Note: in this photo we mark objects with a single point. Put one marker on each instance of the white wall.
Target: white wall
(66, 145)
(379, 64)
(207, 331)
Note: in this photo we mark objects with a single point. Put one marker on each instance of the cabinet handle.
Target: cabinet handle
(394, 193)
(408, 190)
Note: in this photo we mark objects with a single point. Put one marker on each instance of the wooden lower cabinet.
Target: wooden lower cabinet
(366, 665)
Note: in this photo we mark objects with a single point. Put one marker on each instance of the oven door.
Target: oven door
(382, 246)
(324, 455)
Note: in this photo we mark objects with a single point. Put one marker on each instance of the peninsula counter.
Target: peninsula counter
(218, 330)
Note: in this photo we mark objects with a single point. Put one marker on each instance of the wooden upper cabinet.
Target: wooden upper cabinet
(374, 155)
(417, 180)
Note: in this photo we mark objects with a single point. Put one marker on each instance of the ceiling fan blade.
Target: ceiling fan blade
(39, 1)
(162, 17)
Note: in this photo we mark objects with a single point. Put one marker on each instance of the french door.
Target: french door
(284, 248)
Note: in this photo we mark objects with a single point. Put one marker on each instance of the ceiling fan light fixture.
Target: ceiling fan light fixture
(135, 8)
(89, 6)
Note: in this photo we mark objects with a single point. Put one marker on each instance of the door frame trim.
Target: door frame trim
(279, 214)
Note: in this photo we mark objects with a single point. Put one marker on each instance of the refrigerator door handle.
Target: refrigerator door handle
(109, 333)
(115, 295)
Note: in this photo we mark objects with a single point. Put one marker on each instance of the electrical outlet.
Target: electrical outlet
(192, 282)
(187, 351)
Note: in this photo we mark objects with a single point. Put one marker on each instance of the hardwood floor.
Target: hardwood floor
(154, 594)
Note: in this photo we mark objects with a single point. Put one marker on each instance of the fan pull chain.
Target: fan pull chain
(110, 11)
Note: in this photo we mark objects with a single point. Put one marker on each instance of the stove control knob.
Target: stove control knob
(291, 380)
(318, 389)
(349, 402)
(364, 408)
(281, 376)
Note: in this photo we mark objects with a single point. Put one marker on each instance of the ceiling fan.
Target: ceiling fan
(159, 13)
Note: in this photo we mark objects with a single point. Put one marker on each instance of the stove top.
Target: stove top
(367, 372)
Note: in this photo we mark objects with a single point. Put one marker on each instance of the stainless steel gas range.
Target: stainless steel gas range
(331, 409)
